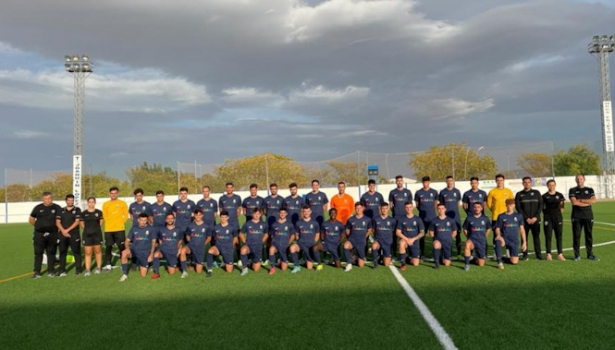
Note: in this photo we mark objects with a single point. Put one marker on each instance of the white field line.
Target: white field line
(436, 327)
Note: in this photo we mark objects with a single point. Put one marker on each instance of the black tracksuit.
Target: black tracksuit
(582, 219)
(552, 219)
(67, 218)
(45, 237)
(529, 205)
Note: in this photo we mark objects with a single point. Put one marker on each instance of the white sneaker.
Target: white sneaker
(348, 267)
(107, 267)
(184, 274)
(63, 274)
(123, 278)
(244, 271)
(87, 274)
(97, 272)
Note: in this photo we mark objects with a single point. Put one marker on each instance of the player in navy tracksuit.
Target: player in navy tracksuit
(507, 229)
(442, 230)
(141, 244)
(225, 236)
(476, 227)
(410, 231)
(282, 232)
(171, 240)
(253, 234)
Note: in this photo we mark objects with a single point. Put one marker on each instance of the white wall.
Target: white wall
(19, 212)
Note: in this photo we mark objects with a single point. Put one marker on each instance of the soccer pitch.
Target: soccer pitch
(537, 304)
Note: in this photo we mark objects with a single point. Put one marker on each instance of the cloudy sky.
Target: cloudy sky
(187, 80)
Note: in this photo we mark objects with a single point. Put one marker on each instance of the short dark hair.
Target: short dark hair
(171, 213)
(332, 210)
(498, 176)
(449, 177)
(92, 198)
(143, 215)
(69, 196)
(580, 174)
(306, 206)
(478, 203)
(257, 210)
(137, 191)
(526, 178)
(46, 193)
(183, 189)
(229, 184)
(371, 182)
(252, 186)
(282, 209)
(473, 178)
(399, 177)
(341, 183)
(159, 192)
(223, 213)
(548, 182)
(198, 211)
(292, 184)
(318, 182)
(441, 205)
(358, 204)
(408, 202)
(425, 178)
(206, 187)
(273, 185)
(114, 188)
(384, 204)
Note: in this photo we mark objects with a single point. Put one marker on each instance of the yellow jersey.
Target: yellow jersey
(496, 201)
(115, 213)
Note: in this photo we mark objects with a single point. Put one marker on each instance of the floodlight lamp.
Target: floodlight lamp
(605, 38)
(67, 58)
(85, 58)
(75, 58)
(595, 38)
(76, 67)
(86, 67)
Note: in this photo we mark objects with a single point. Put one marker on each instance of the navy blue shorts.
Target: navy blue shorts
(513, 247)
(359, 245)
(141, 257)
(170, 257)
(256, 252)
(479, 247)
(414, 250)
(386, 247)
(198, 253)
(447, 246)
(307, 250)
(333, 249)
(228, 254)
(282, 251)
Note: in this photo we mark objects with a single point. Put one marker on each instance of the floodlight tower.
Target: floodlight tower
(602, 46)
(80, 68)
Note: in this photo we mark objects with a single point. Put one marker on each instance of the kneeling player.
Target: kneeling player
(141, 244)
(282, 233)
(410, 231)
(171, 240)
(507, 229)
(332, 234)
(308, 231)
(384, 229)
(476, 228)
(198, 235)
(442, 230)
(358, 228)
(225, 236)
(253, 235)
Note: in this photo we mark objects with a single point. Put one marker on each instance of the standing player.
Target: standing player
(426, 199)
(317, 201)
(358, 228)
(253, 234)
(410, 231)
(171, 241)
(160, 209)
(67, 221)
(139, 206)
(476, 227)
(442, 230)
(294, 202)
(332, 232)
(282, 233)
(397, 200)
(272, 204)
(529, 205)
(473, 195)
(198, 235)
(209, 206)
(553, 209)
(225, 237)
(231, 203)
(496, 200)
(252, 202)
(384, 229)
(308, 232)
(91, 223)
(507, 229)
(343, 202)
(582, 217)
(371, 199)
(183, 209)
(140, 243)
(115, 212)
(45, 236)
(451, 197)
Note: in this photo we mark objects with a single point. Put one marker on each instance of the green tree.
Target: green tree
(578, 159)
(154, 177)
(453, 159)
(16, 193)
(537, 164)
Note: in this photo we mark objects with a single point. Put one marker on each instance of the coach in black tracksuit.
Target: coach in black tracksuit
(68, 236)
(45, 237)
(582, 217)
(553, 207)
(529, 204)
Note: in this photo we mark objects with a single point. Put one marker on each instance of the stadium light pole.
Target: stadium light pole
(465, 173)
(80, 67)
(602, 46)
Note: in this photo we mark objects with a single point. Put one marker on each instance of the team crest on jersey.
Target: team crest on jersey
(448, 224)
(586, 192)
(174, 234)
(311, 226)
(388, 223)
(405, 195)
(143, 207)
(277, 202)
(234, 201)
(414, 223)
(73, 211)
(531, 194)
(96, 214)
(202, 230)
(256, 202)
(454, 194)
(480, 195)
(363, 222)
(147, 233)
(556, 197)
(53, 210)
(318, 197)
(188, 206)
(482, 222)
(227, 232)
(336, 228)
(515, 219)
(261, 226)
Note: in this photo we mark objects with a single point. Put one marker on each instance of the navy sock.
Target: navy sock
(347, 255)
(295, 259)
(467, 259)
(210, 261)
(184, 265)
(316, 256)
(436, 256)
(244, 260)
(498, 251)
(156, 265)
(272, 260)
(402, 258)
(125, 269)
(375, 257)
